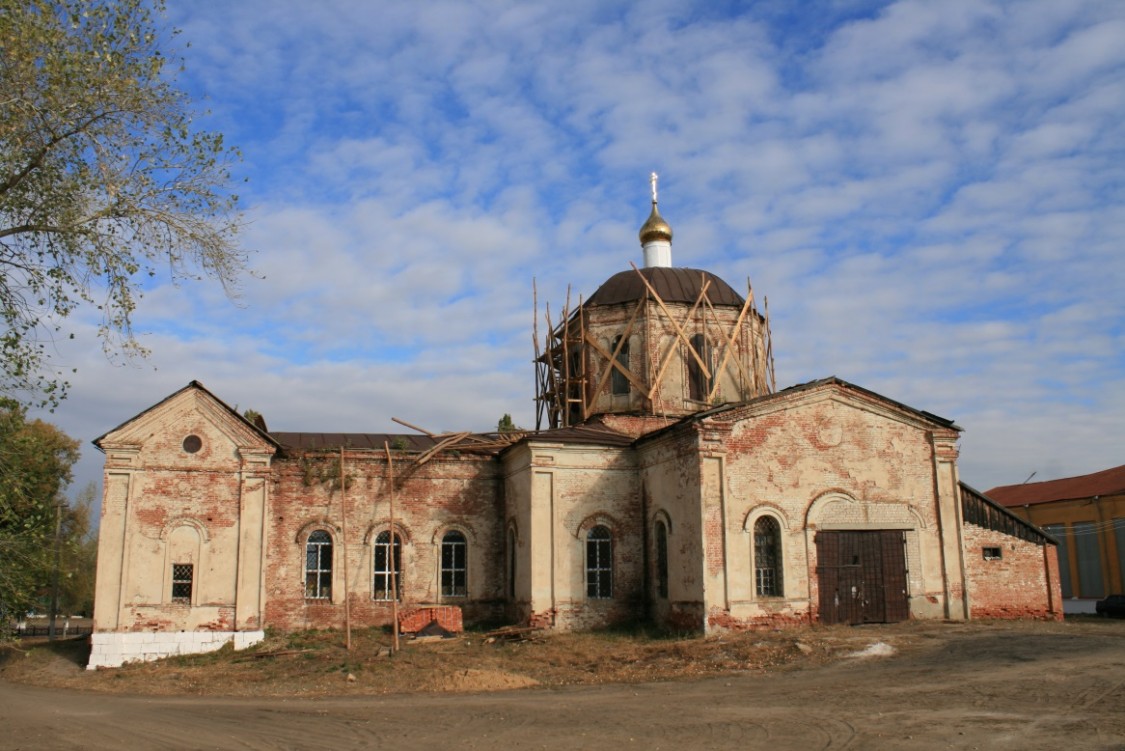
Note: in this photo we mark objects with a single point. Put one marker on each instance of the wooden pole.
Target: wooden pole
(344, 545)
(51, 633)
(391, 550)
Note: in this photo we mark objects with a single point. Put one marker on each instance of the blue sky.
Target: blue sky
(931, 196)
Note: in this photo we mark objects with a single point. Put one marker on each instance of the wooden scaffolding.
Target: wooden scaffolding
(573, 369)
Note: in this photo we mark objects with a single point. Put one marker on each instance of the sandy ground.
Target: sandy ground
(979, 686)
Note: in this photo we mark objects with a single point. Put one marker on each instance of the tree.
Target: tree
(103, 180)
(35, 466)
(79, 554)
(506, 425)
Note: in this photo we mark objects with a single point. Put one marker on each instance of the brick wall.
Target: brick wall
(1022, 583)
(414, 619)
(450, 492)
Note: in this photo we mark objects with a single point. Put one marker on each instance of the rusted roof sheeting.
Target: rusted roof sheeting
(1106, 482)
(673, 285)
(592, 434)
(322, 441)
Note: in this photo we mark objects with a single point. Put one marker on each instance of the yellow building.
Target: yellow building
(1086, 515)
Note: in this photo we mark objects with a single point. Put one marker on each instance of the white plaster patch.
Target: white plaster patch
(109, 650)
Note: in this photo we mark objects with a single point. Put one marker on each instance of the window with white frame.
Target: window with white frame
(599, 563)
(387, 571)
(318, 566)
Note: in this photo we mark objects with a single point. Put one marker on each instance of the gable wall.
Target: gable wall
(163, 506)
(823, 461)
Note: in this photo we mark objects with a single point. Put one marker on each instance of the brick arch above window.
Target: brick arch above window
(660, 515)
(185, 521)
(836, 509)
(454, 526)
(598, 518)
(307, 529)
(401, 531)
(765, 509)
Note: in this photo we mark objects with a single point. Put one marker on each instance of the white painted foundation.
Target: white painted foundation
(112, 650)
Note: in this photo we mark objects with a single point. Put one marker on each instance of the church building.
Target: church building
(667, 480)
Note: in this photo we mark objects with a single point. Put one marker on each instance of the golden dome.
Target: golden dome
(655, 228)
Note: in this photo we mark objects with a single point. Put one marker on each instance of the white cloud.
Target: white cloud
(928, 194)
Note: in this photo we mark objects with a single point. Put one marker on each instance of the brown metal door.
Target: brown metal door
(861, 577)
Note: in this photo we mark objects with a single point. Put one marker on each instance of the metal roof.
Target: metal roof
(321, 441)
(673, 285)
(595, 434)
(1107, 482)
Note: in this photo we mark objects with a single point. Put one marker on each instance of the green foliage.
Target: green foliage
(35, 465)
(79, 558)
(324, 471)
(505, 425)
(103, 180)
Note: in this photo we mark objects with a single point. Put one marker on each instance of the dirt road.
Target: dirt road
(960, 688)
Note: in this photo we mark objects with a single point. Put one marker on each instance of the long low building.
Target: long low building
(1086, 514)
(668, 480)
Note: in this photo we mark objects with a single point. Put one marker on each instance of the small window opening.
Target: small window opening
(700, 383)
(992, 554)
(661, 560)
(618, 380)
(512, 564)
(192, 444)
(182, 578)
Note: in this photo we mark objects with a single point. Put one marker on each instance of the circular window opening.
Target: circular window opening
(192, 444)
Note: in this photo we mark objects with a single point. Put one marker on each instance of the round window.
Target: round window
(192, 444)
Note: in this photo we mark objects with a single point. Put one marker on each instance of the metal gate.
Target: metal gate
(862, 576)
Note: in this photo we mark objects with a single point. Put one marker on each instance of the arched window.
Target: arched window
(699, 383)
(454, 568)
(767, 557)
(318, 566)
(661, 536)
(512, 563)
(574, 390)
(599, 563)
(619, 382)
(388, 578)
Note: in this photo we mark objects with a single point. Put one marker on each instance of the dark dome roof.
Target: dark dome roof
(673, 285)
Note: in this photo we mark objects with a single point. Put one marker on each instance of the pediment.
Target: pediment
(190, 426)
(839, 397)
